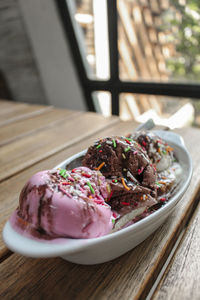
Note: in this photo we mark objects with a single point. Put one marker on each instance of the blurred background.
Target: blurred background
(61, 53)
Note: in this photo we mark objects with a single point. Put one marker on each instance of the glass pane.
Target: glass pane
(159, 40)
(102, 102)
(90, 24)
(168, 111)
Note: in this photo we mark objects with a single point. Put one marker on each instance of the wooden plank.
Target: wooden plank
(182, 277)
(128, 277)
(21, 111)
(126, 55)
(6, 104)
(133, 39)
(10, 106)
(155, 7)
(153, 37)
(20, 128)
(148, 17)
(143, 33)
(128, 107)
(164, 4)
(22, 153)
(137, 37)
(132, 104)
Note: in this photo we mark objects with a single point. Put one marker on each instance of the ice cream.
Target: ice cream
(120, 157)
(129, 172)
(159, 152)
(121, 181)
(162, 157)
(62, 203)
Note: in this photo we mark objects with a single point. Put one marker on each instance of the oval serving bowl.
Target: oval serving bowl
(108, 247)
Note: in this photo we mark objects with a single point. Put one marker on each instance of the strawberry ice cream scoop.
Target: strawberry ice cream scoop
(63, 203)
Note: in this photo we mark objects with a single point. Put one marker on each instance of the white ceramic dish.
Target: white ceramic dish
(105, 248)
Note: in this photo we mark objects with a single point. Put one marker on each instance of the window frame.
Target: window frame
(114, 85)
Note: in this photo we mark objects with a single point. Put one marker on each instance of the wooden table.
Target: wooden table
(167, 264)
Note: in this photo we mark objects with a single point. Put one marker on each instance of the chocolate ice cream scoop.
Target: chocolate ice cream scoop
(159, 152)
(129, 172)
(163, 157)
(124, 159)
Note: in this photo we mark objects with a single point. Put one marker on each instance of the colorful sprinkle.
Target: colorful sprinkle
(140, 171)
(108, 188)
(71, 179)
(169, 148)
(124, 184)
(124, 156)
(127, 149)
(163, 199)
(114, 181)
(113, 221)
(114, 215)
(98, 201)
(114, 143)
(128, 141)
(135, 152)
(98, 146)
(86, 175)
(100, 166)
(125, 203)
(91, 188)
(63, 173)
(23, 222)
(111, 193)
(100, 151)
(66, 183)
(143, 197)
(64, 191)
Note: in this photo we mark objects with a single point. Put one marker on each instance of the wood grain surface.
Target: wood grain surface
(20, 111)
(22, 127)
(22, 153)
(130, 276)
(183, 273)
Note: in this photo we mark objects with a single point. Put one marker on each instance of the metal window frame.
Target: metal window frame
(114, 85)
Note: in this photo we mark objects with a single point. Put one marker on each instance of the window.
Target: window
(131, 51)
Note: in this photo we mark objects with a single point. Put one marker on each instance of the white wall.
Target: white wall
(17, 62)
(52, 53)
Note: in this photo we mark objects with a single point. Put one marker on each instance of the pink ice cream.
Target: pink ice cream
(61, 203)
